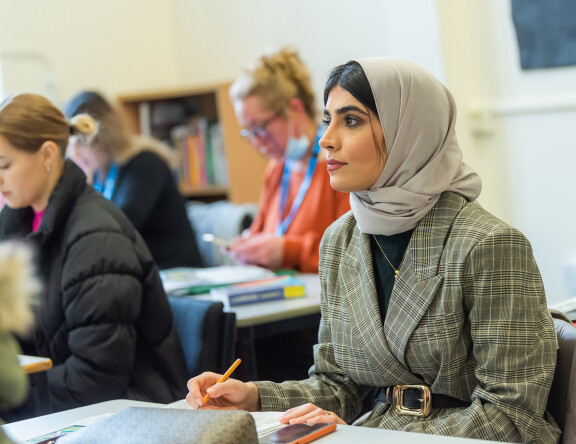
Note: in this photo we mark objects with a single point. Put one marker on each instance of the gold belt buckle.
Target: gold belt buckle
(398, 400)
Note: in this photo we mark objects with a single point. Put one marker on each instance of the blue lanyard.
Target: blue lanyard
(281, 227)
(107, 189)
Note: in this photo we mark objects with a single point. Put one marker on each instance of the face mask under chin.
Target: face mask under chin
(296, 148)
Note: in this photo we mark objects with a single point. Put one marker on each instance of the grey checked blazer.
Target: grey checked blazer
(467, 316)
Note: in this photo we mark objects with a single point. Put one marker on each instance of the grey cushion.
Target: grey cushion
(168, 426)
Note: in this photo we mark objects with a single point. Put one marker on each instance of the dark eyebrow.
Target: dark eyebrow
(346, 109)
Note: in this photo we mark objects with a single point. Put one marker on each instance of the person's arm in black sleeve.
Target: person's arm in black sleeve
(139, 186)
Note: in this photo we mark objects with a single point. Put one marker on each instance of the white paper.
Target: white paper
(182, 277)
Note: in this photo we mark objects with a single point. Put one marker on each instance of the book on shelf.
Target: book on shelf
(209, 158)
(201, 126)
(264, 290)
(200, 148)
(183, 281)
(144, 111)
(219, 162)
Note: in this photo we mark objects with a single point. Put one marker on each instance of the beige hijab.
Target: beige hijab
(417, 114)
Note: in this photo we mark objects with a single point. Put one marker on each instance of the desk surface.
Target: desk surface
(30, 428)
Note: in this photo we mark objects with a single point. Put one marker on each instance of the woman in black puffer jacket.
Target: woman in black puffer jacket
(104, 319)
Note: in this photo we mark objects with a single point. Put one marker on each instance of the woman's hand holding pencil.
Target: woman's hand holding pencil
(224, 377)
(213, 391)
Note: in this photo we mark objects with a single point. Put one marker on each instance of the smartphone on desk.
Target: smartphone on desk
(297, 434)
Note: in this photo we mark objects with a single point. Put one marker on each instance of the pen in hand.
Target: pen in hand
(224, 377)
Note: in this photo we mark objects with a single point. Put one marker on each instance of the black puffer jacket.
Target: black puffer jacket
(104, 318)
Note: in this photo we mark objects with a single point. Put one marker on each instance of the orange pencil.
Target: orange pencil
(224, 377)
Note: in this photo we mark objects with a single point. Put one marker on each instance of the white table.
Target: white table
(30, 428)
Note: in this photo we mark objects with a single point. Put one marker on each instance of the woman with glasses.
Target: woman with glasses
(275, 104)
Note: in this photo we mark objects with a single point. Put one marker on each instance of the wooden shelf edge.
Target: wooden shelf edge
(170, 93)
(188, 191)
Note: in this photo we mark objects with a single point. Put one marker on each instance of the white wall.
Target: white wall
(527, 161)
(218, 38)
(110, 45)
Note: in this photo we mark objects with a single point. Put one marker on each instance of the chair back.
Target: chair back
(223, 219)
(207, 334)
(562, 397)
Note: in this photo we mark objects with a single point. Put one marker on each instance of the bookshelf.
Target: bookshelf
(234, 171)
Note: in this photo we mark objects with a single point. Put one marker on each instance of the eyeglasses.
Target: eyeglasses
(258, 130)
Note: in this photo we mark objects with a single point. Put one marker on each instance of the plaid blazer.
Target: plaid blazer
(467, 316)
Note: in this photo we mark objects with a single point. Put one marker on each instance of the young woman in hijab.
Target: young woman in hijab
(420, 285)
(134, 172)
(103, 318)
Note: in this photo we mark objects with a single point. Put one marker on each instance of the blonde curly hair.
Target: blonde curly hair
(18, 287)
(276, 78)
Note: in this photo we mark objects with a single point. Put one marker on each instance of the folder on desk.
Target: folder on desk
(264, 290)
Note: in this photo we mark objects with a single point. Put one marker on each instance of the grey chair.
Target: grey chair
(223, 219)
(207, 334)
(562, 397)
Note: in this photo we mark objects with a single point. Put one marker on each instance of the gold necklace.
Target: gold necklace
(396, 270)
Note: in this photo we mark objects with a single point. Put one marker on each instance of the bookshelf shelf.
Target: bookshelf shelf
(227, 166)
(208, 191)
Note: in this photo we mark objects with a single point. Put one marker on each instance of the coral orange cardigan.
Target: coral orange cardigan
(321, 206)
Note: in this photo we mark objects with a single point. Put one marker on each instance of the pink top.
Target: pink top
(37, 220)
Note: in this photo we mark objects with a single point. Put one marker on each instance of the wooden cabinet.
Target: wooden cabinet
(156, 113)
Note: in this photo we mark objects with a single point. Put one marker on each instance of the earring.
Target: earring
(48, 168)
